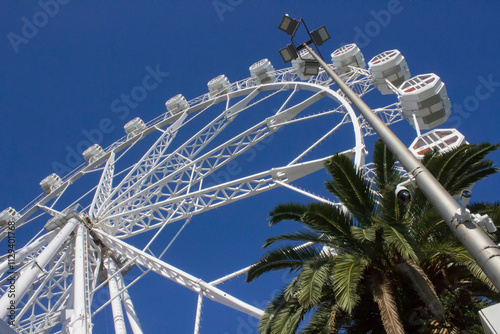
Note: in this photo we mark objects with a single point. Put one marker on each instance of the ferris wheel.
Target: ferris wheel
(94, 229)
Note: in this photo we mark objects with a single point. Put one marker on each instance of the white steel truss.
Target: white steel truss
(120, 248)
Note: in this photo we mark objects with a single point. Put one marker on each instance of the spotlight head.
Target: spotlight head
(311, 67)
(288, 53)
(288, 24)
(320, 35)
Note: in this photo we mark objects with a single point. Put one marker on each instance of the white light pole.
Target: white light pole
(484, 251)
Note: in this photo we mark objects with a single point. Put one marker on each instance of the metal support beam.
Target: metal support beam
(29, 275)
(114, 295)
(197, 321)
(80, 322)
(29, 249)
(143, 259)
(128, 305)
(484, 251)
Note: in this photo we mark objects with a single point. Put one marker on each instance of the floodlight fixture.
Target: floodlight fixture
(288, 24)
(320, 35)
(311, 67)
(288, 53)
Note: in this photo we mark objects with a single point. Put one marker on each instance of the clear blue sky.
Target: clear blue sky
(60, 80)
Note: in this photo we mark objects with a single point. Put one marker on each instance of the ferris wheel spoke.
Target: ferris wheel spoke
(122, 249)
(177, 182)
(152, 156)
(150, 216)
(50, 296)
(390, 114)
(26, 253)
(359, 80)
(344, 120)
(105, 186)
(183, 154)
(31, 273)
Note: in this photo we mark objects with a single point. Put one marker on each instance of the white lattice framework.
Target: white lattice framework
(68, 266)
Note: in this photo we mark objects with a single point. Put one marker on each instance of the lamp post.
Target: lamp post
(484, 251)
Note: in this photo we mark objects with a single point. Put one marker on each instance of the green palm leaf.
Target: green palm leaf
(325, 320)
(397, 241)
(348, 271)
(349, 186)
(313, 277)
(285, 257)
(303, 236)
(289, 211)
(385, 163)
(364, 234)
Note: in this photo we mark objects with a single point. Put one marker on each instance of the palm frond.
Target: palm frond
(302, 236)
(326, 218)
(383, 296)
(287, 211)
(424, 287)
(286, 319)
(364, 234)
(324, 320)
(462, 166)
(349, 186)
(271, 310)
(312, 279)
(286, 257)
(348, 271)
(398, 242)
(385, 163)
(446, 254)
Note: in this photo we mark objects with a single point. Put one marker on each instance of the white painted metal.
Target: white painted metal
(218, 85)
(114, 295)
(441, 139)
(389, 66)
(8, 215)
(134, 126)
(425, 97)
(50, 183)
(80, 319)
(128, 305)
(143, 259)
(30, 273)
(93, 153)
(197, 321)
(346, 56)
(167, 185)
(263, 71)
(105, 186)
(23, 252)
(177, 104)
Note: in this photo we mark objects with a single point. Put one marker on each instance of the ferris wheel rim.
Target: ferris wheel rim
(297, 85)
(153, 127)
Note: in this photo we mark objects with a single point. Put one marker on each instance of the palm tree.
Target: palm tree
(457, 278)
(359, 256)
